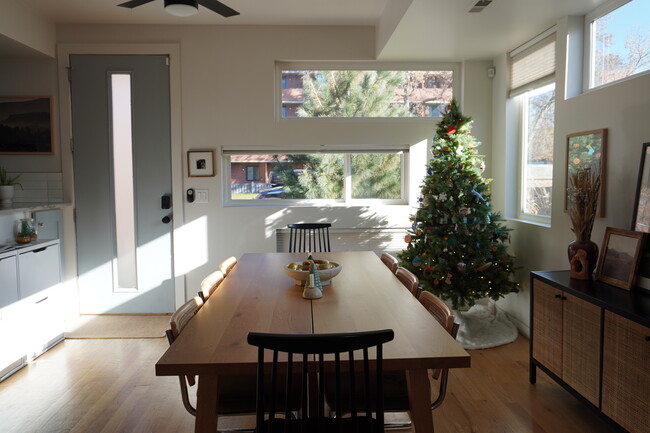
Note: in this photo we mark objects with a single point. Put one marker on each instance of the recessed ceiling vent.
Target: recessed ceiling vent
(480, 5)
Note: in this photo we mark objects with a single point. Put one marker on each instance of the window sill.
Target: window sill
(531, 222)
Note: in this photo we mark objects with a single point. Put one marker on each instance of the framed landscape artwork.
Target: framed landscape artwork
(641, 214)
(619, 257)
(25, 125)
(587, 150)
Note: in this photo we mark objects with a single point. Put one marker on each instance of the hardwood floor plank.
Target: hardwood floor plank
(109, 386)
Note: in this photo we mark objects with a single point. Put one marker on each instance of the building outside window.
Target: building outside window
(619, 41)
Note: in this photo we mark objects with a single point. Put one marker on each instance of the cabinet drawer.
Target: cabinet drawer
(8, 281)
(38, 270)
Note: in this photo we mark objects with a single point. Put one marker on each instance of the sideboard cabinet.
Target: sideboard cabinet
(594, 340)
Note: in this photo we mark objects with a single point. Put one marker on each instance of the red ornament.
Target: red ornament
(451, 129)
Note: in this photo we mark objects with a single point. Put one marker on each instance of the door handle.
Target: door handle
(167, 218)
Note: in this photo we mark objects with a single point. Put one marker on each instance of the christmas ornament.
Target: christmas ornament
(461, 266)
(416, 262)
(407, 239)
(451, 129)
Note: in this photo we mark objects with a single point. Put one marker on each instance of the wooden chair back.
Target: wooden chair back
(390, 261)
(210, 284)
(309, 237)
(319, 345)
(441, 312)
(226, 266)
(409, 280)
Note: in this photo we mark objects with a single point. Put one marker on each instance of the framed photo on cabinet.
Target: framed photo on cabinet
(619, 257)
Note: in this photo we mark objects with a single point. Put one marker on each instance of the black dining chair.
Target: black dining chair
(309, 237)
(315, 348)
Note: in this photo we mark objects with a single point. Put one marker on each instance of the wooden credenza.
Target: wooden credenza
(594, 340)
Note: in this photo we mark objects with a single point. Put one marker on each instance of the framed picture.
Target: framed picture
(641, 214)
(200, 163)
(587, 150)
(26, 125)
(619, 257)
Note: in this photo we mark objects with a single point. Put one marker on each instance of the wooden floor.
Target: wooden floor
(109, 386)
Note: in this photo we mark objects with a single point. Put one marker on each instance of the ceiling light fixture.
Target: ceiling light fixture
(182, 8)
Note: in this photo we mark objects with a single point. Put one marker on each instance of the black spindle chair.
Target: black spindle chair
(318, 346)
(309, 237)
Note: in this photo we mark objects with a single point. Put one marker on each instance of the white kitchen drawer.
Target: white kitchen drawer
(8, 280)
(39, 269)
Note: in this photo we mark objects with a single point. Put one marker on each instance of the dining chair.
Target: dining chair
(286, 346)
(226, 266)
(409, 280)
(309, 237)
(390, 261)
(396, 398)
(210, 284)
(236, 393)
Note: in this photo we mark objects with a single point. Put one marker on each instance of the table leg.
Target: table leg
(206, 405)
(420, 400)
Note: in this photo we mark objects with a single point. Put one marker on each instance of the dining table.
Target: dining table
(258, 296)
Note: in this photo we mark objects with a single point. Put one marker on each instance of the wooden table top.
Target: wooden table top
(258, 296)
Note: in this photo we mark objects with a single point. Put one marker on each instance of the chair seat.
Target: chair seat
(360, 424)
(396, 398)
(237, 393)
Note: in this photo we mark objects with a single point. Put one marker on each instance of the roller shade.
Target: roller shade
(532, 66)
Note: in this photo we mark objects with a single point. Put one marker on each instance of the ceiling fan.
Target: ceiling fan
(185, 8)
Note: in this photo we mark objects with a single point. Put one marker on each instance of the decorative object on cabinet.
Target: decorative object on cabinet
(27, 123)
(619, 257)
(593, 339)
(200, 163)
(583, 198)
(587, 150)
(641, 213)
(25, 231)
(7, 185)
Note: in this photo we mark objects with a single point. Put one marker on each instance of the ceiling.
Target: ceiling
(424, 30)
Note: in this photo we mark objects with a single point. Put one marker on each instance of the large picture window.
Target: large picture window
(365, 93)
(305, 178)
(619, 41)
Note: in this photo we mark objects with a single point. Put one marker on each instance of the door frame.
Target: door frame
(65, 121)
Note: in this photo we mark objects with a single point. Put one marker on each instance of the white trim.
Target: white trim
(173, 51)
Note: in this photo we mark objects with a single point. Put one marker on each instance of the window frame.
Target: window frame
(523, 154)
(589, 58)
(454, 67)
(345, 201)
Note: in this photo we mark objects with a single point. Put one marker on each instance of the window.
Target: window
(537, 151)
(364, 93)
(532, 82)
(252, 172)
(313, 178)
(619, 41)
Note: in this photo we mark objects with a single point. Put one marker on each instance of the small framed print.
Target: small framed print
(619, 257)
(200, 163)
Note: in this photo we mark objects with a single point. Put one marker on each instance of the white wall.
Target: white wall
(228, 99)
(20, 24)
(622, 108)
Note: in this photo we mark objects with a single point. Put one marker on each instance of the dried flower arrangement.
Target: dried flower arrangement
(583, 202)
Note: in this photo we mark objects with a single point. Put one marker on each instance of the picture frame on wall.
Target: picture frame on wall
(26, 125)
(587, 150)
(619, 257)
(641, 213)
(200, 163)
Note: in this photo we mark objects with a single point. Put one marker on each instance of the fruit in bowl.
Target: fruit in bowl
(299, 271)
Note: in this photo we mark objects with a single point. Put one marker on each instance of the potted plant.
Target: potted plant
(7, 184)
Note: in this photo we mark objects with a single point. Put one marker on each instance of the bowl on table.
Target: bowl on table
(301, 276)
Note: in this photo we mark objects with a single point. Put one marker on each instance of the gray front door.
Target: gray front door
(122, 169)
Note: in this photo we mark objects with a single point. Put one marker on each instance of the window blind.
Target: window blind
(533, 65)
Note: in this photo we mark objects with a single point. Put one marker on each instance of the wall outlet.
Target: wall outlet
(201, 196)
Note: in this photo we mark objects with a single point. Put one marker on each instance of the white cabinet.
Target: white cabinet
(31, 319)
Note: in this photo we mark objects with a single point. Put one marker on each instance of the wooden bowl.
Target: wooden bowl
(325, 274)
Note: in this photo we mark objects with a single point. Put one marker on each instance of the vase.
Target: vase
(6, 195)
(582, 266)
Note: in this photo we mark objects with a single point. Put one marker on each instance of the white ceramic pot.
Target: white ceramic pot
(6, 195)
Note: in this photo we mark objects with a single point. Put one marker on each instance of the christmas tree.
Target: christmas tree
(456, 245)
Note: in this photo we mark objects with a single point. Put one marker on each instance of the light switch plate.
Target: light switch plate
(201, 196)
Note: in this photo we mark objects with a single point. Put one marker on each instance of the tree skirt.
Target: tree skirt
(480, 329)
